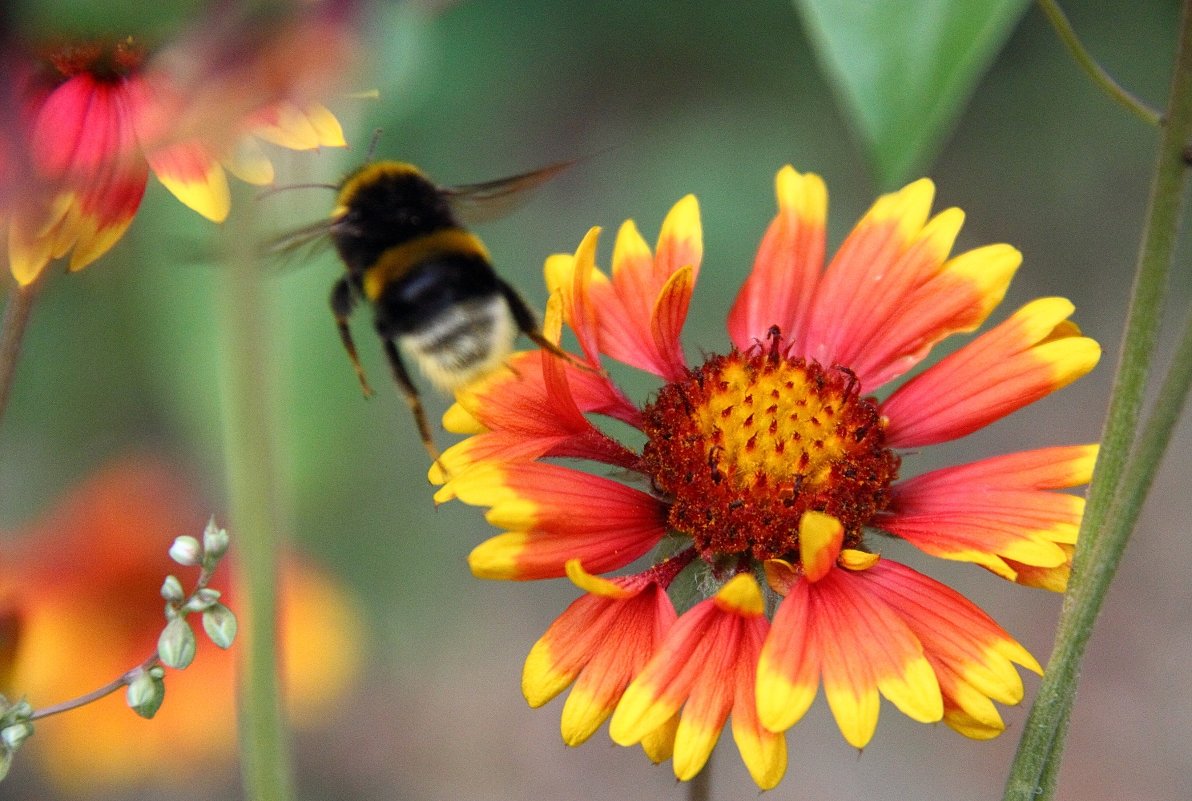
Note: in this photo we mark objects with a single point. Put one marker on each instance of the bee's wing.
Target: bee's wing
(492, 199)
(306, 242)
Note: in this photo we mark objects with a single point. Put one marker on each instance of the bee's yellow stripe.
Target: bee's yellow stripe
(400, 259)
(372, 173)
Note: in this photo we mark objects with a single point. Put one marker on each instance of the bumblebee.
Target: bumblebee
(429, 281)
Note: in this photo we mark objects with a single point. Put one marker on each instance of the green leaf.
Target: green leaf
(904, 69)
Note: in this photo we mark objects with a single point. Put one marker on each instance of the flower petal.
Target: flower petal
(788, 671)
(600, 643)
(249, 163)
(639, 312)
(959, 297)
(706, 666)
(537, 495)
(820, 538)
(786, 270)
(857, 276)
(971, 655)
(996, 510)
(193, 176)
(530, 409)
(105, 209)
(569, 277)
(289, 125)
(1030, 355)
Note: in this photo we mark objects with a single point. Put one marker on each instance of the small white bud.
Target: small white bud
(186, 551)
(202, 599)
(171, 590)
(176, 645)
(220, 624)
(14, 734)
(215, 541)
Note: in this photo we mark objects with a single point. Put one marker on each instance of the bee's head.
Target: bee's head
(384, 204)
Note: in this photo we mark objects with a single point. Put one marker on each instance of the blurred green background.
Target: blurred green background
(658, 100)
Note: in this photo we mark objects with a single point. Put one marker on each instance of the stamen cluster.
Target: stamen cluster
(752, 440)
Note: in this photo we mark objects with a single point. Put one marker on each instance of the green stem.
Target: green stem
(12, 334)
(700, 786)
(95, 695)
(1124, 471)
(264, 740)
(1085, 60)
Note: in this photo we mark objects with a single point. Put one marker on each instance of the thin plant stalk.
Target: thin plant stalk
(17, 313)
(1124, 470)
(1084, 59)
(700, 786)
(248, 444)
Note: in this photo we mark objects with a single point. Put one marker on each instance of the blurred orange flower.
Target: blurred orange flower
(93, 119)
(83, 583)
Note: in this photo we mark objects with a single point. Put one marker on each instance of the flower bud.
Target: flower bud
(186, 551)
(202, 599)
(220, 624)
(176, 645)
(171, 590)
(145, 694)
(15, 733)
(215, 541)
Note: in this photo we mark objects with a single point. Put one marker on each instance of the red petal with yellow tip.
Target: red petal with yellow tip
(706, 667)
(533, 410)
(640, 312)
(862, 269)
(972, 655)
(787, 268)
(193, 176)
(599, 643)
(1028, 356)
(995, 510)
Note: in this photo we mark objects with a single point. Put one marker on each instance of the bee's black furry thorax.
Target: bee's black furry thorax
(382, 205)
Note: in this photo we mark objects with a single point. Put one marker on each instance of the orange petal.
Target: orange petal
(193, 176)
(786, 270)
(1032, 354)
(855, 278)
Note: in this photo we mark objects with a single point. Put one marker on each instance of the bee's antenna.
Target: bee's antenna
(372, 146)
(273, 190)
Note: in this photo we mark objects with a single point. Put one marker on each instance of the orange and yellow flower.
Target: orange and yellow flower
(93, 119)
(80, 605)
(769, 474)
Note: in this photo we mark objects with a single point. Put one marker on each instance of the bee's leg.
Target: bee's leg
(342, 303)
(528, 325)
(410, 393)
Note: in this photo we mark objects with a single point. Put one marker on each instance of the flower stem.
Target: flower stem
(96, 694)
(12, 333)
(700, 786)
(264, 740)
(1124, 469)
(1095, 71)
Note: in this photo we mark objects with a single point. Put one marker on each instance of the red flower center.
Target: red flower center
(103, 61)
(752, 440)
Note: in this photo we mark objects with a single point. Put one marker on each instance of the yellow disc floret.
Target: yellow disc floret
(752, 440)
